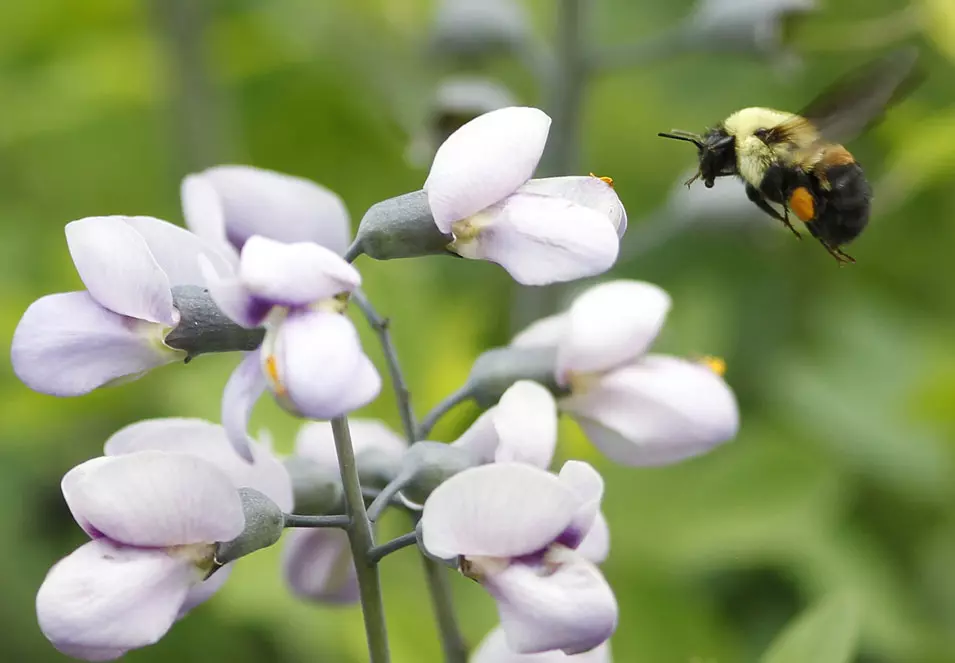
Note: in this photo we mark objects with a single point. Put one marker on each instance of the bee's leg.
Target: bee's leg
(757, 198)
(841, 256)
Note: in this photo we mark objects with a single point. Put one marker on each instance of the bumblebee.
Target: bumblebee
(798, 162)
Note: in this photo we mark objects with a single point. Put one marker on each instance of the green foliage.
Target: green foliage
(826, 633)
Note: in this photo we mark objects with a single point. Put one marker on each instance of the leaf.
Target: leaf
(825, 633)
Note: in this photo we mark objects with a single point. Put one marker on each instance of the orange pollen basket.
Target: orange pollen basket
(715, 364)
(272, 368)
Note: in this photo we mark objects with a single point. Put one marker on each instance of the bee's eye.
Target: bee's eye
(762, 134)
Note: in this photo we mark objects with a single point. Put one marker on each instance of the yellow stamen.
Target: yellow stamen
(715, 364)
(608, 180)
(272, 368)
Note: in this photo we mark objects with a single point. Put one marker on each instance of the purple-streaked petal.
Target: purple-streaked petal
(294, 274)
(587, 483)
(67, 345)
(498, 510)
(177, 250)
(208, 441)
(494, 649)
(546, 332)
(253, 201)
(318, 566)
(588, 191)
(610, 325)
(526, 423)
(233, 298)
(154, 499)
(240, 395)
(320, 366)
(657, 411)
(564, 604)
(316, 442)
(105, 598)
(119, 270)
(205, 590)
(485, 161)
(596, 544)
(540, 240)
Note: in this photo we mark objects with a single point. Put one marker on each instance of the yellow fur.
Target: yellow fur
(753, 156)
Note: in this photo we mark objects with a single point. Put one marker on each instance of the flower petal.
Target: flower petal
(541, 240)
(294, 274)
(596, 544)
(610, 325)
(202, 211)
(205, 590)
(657, 411)
(494, 649)
(498, 510)
(177, 250)
(526, 422)
(105, 598)
(67, 345)
(485, 161)
(571, 608)
(240, 395)
(254, 201)
(316, 442)
(587, 483)
(317, 565)
(233, 298)
(588, 191)
(321, 366)
(546, 332)
(480, 439)
(208, 441)
(154, 499)
(119, 270)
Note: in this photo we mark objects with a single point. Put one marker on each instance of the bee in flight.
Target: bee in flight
(798, 161)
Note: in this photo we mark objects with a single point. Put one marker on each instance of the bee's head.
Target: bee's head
(717, 153)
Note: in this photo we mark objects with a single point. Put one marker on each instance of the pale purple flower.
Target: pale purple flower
(541, 231)
(311, 357)
(155, 519)
(638, 408)
(317, 563)
(519, 531)
(229, 204)
(70, 343)
(494, 649)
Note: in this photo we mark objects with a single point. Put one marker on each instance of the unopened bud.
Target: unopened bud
(476, 28)
(376, 469)
(401, 227)
(496, 370)
(317, 489)
(264, 523)
(429, 464)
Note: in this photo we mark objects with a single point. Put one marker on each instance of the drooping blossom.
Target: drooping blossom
(70, 343)
(541, 231)
(520, 531)
(311, 357)
(229, 204)
(494, 649)
(154, 519)
(638, 408)
(317, 563)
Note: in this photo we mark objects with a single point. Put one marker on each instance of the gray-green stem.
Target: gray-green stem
(441, 409)
(362, 540)
(452, 642)
(385, 549)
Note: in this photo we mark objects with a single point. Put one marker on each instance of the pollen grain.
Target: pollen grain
(608, 180)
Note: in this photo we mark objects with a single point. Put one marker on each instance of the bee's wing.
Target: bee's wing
(855, 102)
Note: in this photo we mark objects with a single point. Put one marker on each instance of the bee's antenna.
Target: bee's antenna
(677, 134)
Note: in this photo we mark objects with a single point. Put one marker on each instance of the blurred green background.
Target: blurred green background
(843, 475)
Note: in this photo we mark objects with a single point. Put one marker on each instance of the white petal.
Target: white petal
(316, 442)
(317, 565)
(233, 298)
(254, 201)
(571, 608)
(494, 649)
(208, 441)
(546, 332)
(205, 590)
(541, 240)
(498, 510)
(610, 325)
(202, 210)
(67, 344)
(596, 544)
(484, 161)
(294, 274)
(526, 422)
(119, 270)
(240, 395)
(104, 597)
(657, 411)
(154, 499)
(587, 483)
(588, 191)
(177, 250)
(480, 439)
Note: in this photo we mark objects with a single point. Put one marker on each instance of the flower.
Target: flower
(154, 519)
(494, 649)
(71, 343)
(311, 357)
(316, 563)
(540, 231)
(229, 204)
(639, 409)
(519, 531)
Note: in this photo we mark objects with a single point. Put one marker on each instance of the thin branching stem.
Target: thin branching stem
(452, 642)
(296, 520)
(386, 495)
(385, 549)
(441, 409)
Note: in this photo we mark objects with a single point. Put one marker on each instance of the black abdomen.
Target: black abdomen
(844, 207)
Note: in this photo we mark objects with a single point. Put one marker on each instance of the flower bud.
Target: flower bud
(429, 464)
(499, 368)
(475, 28)
(376, 469)
(203, 327)
(401, 227)
(317, 489)
(264, 523)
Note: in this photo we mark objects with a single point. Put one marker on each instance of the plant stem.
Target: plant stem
(452, 642)
(403, 541)
(362, 540)
(353, 251)
(296, 520)
(402, 393)
(441, 409)
(383, 499)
